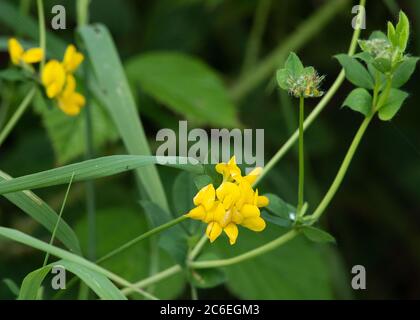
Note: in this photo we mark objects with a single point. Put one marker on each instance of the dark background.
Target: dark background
(375, 216)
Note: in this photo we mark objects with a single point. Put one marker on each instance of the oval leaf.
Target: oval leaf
(185, 84)
(356, 73)
(359, 100)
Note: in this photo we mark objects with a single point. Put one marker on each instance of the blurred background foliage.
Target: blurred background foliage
(185, 60)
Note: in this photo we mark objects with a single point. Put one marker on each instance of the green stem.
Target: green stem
(303, 33)
(254, 42)
(47, 255)
(42, 32)
(383, 98)
(198, 247)
(153, 279)
(82, 8)
(248, 255)
(314, 114)
(343, 169)
(142, 237)
(17, 115)
(301, 156)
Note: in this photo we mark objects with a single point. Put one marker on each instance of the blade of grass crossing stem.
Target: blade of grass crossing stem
(47, 255)
(91, 169)
(120, 103)
(38, 210)
(25, 239)
(100, 284)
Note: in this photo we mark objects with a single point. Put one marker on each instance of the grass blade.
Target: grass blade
(35, 207)
(100, 284)
(89, 169)
(118, 99)
(25, 239)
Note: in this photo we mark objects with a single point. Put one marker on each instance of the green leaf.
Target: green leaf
(394, 103)
(279, 212)
(87, 170)
(391, 34)
(382, 64)
(359, 100)
(207, 278)
(174, 240)
(36, 208)
(294, 65)
(124, 224)
(317, 235)
(377, 35)
(32, 283)
(184, 84)
(12, 74)
(356, 73)
(296, 270)
(201, 181)
(404, 71)
(183, 192)
(114, 93)
(68, 133)
(282, 76)
(403, 31)
(100, 284)
(23, 238)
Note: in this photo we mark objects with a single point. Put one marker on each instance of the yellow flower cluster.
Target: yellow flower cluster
(233, 203)
(60, 83)
(19, 56)
(57, 77)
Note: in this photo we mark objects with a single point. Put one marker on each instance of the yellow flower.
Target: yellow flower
(69, 101)
(72, 59)
(229, 170)
(19, 55)
(233, 203)
(53, 78)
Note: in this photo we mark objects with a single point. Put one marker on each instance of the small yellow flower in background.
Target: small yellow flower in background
(72, 59)
(60, 84)
(70, 101)
(233, 203)
(53, 78)
(19, 55)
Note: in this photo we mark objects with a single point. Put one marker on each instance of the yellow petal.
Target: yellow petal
(15, 51)
(262, 201)
(33, 55)
(198, 213)
(255, 224)
(206, 197)
(71, 103)
(231, 231)
(213, 231)
(228, 193)
(72, 59)
(53, 78)
(253, 175)
(250, 211)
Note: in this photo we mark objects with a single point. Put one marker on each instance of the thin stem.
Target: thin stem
(383, 98)
(198, 247)
(142, 237)
(314, 114)
(301, 156)
(248, 255)
(254, 42)
(42, 32)
(47, 255)
(154, 279)
(194, 293)
(303, 33)
(82, 12)
(343, 169)
(17, 115)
